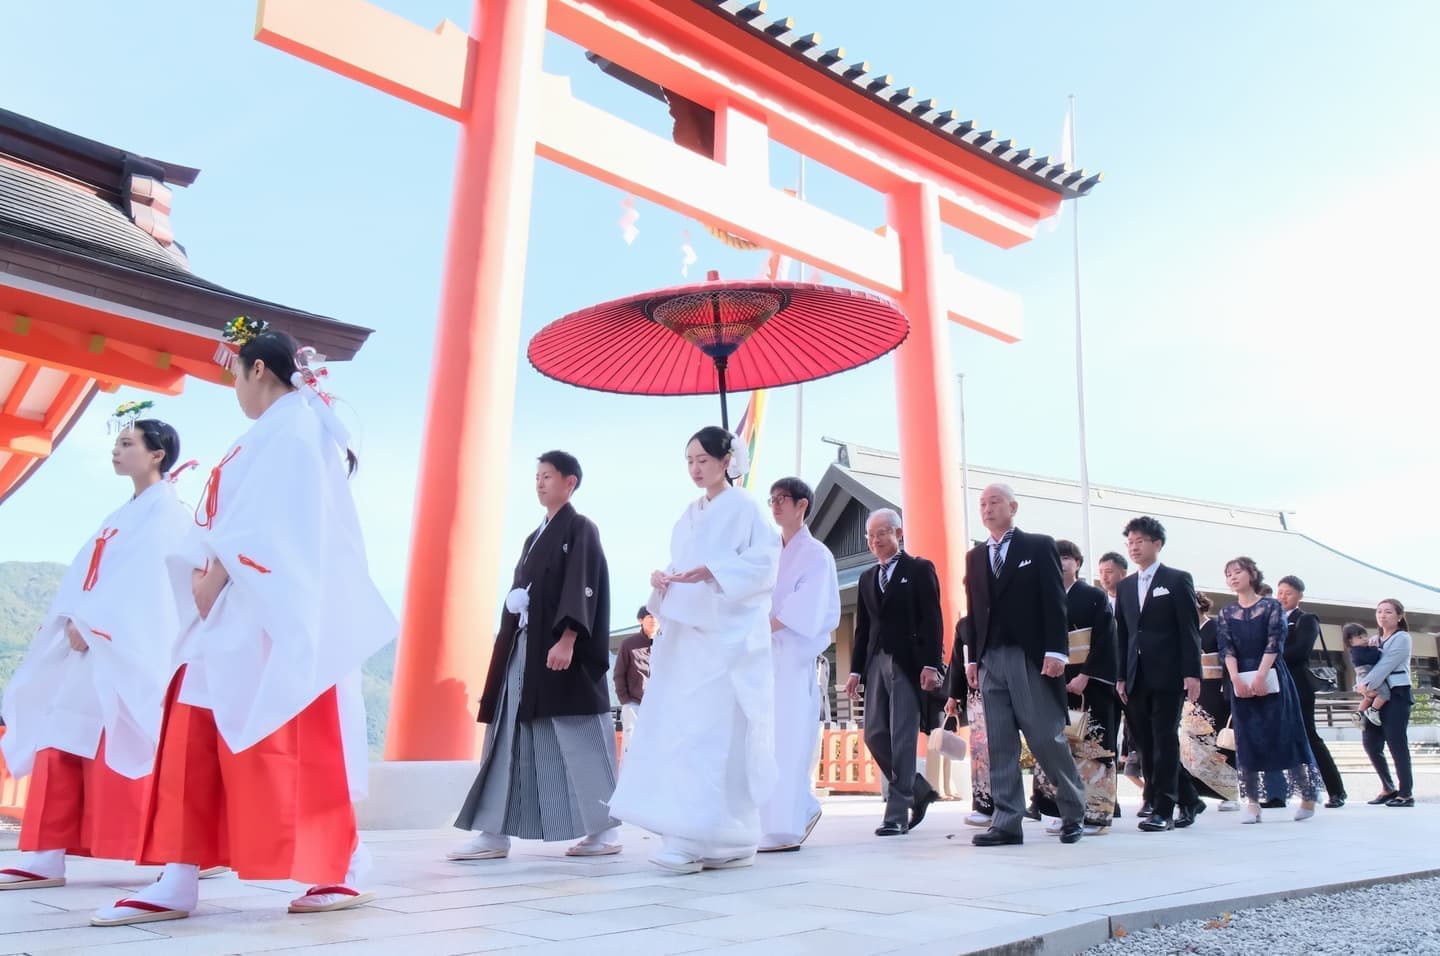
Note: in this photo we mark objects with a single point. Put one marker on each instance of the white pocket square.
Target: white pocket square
(1159, 591)
(904, 580)
(1023, 564)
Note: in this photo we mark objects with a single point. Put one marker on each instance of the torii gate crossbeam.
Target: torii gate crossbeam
(509, 111)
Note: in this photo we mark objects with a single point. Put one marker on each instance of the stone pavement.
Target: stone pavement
(847, 892)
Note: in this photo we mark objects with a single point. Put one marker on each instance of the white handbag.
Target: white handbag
(1272, 680)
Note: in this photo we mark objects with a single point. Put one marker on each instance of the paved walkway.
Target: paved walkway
(847, 892)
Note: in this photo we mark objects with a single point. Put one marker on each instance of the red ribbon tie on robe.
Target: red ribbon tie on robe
(212, 491)
(93, 574)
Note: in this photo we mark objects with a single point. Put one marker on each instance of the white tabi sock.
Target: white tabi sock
(359, 866)
(49, 864)
(177, 889)
(602, 837)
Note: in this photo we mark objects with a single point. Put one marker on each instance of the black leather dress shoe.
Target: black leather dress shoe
(1401, 802)
(994, 837)
(917, 812)
(1147, 809)
(1335, 802)
(1185, 817)
(1274, 804)
(891, 829)
(1071, 831)
(1156, 824)
(1385, 796)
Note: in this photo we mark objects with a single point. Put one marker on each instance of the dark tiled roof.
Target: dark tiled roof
(54, 231)
(780, 32)
(57, 214)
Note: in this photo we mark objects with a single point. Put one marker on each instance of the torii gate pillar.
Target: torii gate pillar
(455, 546)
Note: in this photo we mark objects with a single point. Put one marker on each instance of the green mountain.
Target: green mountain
(27, 588)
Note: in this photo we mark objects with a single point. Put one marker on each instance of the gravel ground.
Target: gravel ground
(1386, 918)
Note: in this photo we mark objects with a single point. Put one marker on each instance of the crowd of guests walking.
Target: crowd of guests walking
(192, 697)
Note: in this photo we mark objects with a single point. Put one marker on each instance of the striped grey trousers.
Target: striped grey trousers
(1019, 699)
(545, 779)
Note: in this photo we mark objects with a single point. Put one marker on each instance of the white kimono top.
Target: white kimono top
(807, 599)
(300, 613)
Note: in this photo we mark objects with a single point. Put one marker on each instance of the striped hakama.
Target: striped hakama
(544, 779)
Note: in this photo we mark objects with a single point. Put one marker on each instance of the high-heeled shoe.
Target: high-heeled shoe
(1384, 796)
(1251, 814)
(1306, 811)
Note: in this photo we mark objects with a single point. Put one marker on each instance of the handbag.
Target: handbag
(1075, 727)
(947, 742)
(1225, 739)
(1323, 674)
(1272, 680)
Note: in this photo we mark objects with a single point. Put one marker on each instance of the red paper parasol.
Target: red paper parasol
(716, 337)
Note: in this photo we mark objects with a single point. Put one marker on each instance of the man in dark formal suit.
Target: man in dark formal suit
(1016, 647)
(1304, 630)
(898, 649)
(1158, 633)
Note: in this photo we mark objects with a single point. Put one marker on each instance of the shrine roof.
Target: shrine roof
(878, 87)
(94, 220)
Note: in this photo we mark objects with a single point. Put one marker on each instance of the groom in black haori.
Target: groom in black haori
(548, 769)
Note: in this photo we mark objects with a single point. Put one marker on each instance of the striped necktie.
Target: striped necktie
(997, 555)
(885, 573)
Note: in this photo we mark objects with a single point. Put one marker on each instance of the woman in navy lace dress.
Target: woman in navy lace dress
(1270, 739)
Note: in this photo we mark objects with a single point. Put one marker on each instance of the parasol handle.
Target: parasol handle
(720, 364)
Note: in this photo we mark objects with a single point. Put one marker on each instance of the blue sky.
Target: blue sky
(1261, 325)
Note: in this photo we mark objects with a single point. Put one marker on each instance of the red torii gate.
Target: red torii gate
(763, 82)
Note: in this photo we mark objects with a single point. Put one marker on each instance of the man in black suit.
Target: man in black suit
(1016, 646)
(1158, 633)
(899, 646)
(1304, 630)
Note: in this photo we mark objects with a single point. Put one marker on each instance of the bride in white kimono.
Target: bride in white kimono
(703, 760)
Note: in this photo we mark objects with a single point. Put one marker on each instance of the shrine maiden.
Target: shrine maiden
(804, 612)
(82, 714)
(263, 744)
(549, 764)
(703, 758)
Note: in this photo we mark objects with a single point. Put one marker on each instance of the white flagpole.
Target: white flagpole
(964, 470)
(800, 389)
(1080, 364)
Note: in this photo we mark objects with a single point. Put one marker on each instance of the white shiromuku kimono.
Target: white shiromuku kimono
(807, 603)
(130, 609)
(300, 613)
(703, 759)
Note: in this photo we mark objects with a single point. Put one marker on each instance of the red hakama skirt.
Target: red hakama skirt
(81, 806)
(279, 810)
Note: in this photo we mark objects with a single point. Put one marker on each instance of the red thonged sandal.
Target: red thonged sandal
(318, 899)
(144, 913)
(28, 880)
